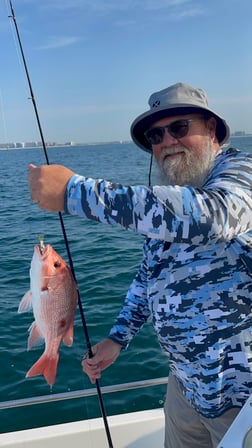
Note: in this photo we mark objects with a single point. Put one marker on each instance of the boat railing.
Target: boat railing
(81, 393)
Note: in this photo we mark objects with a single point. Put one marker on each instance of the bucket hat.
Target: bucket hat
(178, 99)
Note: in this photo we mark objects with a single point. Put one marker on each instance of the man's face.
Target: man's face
(186, 160)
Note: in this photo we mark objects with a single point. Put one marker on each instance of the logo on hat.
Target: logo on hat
(156, 104)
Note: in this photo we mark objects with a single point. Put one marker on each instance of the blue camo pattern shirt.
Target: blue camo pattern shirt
(195, 279)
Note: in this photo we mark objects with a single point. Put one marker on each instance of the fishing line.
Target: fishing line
(84, 324)
(150, 169)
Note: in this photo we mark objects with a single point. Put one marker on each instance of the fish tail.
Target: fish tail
(46, 365)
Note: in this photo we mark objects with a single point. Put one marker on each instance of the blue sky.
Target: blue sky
(94, 63)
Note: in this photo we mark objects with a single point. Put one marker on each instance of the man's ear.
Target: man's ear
(211, 126)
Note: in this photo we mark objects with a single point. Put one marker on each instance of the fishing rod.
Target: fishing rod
(84, 324)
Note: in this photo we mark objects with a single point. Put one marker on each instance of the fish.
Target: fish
(53, 298)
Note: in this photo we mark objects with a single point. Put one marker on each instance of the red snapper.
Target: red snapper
(53, 298)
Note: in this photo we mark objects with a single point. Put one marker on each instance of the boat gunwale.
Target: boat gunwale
(10, 404)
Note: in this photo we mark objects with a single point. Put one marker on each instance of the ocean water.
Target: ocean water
(105, 259)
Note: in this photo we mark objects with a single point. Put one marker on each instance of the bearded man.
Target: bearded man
(195, 279)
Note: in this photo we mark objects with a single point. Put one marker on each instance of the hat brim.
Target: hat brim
(145, 120)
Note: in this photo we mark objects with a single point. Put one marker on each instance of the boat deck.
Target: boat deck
(143, 429)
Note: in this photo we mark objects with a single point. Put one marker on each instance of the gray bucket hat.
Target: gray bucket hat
(178, 99)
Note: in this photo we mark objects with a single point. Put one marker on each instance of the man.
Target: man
(195, 280)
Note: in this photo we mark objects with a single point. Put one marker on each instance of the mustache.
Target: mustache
(173, 150)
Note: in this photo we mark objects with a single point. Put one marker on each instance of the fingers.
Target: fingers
(104, 354)
(48, 185)
(92, 367)
(33, 180)
(34, 183)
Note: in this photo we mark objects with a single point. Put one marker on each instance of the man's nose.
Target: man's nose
(168, 139)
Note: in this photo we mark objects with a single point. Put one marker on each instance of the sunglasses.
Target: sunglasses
(177, 129)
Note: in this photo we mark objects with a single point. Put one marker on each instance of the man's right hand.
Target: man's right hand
(104, 354)
(48, 185)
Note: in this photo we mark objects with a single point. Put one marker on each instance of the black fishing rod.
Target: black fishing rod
(84, 324)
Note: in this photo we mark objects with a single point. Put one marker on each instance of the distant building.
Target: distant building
(70, 144)
(30, 144)
(239, 133)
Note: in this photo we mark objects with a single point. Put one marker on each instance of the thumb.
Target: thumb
(31, 166)
(93, 359)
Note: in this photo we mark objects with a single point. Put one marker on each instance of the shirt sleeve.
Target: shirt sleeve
(135, 311)
(220, 210)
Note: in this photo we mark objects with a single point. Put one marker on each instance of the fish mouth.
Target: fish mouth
(41, 248)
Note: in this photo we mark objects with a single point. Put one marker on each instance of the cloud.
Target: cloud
(108, 6)
(187, 13)
(59, 42)
(123, 13)
(152, 5)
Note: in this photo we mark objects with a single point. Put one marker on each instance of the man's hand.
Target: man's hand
(105, 354)
(48, 185)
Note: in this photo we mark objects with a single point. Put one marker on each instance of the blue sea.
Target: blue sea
(105, 259)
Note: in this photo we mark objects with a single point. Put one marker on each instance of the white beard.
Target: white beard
(189, 169)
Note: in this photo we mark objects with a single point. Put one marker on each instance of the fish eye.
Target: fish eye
(57, 264)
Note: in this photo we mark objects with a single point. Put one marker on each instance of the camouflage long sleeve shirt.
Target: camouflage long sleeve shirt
(195, 279)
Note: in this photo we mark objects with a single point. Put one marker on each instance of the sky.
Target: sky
(94, 63)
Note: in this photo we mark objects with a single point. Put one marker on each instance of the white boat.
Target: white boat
(133, 430)
(143, 429)
(139, 429)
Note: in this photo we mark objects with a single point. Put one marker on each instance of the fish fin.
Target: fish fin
(68, 336)
(46, 366)
(35, 338)
(26, 303)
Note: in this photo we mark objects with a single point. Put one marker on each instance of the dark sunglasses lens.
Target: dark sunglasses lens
(179, 129)
(155, 135)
